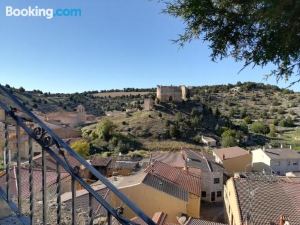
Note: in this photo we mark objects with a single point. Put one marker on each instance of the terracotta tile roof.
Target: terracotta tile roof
(231, 152)
(166, 187)
(100, 161)
(282, 153)
(51, 163)
(194, 221)
(24, 174)
(174, 159)
(158, 218)
(185, 180)
(271, 200)
(82, 202)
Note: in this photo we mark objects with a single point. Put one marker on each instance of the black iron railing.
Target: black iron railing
(55, 147)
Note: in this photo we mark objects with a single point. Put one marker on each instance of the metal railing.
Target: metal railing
(57, 149)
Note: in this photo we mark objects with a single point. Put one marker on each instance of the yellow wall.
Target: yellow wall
(150, 200)
(231, 204)
(193, 206)
(238, 164)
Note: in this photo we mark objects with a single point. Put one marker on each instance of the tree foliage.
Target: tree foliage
(257, 32)
(260, 128)
(82, 147)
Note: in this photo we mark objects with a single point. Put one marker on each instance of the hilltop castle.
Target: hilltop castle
(171, 93)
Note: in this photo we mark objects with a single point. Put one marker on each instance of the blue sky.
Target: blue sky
(114, 44)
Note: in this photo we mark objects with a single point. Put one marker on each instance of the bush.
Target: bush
(247, 120)
(82, 147)
(272, 132)
(260, 128)
(104, 129)
(288, 122)
(229, 138)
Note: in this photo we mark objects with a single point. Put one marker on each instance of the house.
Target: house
(210, 172)
(233, 159)
(51, 181)
(171, 93)
(101, 164)
(122, 167)
(276, 160)
(198, 163)
(161, 188)
(71, 119)
(258, 201)
(209, 141)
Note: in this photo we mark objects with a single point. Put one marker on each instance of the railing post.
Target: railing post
(7, 157)
(58, 193)
(19, 191)
(44, 186)
(91, 216)
(31, 179)
(108, 218)
(73, 201)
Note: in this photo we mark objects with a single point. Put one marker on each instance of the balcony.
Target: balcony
(31, 193)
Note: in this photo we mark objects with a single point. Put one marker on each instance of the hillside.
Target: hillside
(251, 113)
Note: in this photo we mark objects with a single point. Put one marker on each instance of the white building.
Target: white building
(278, 161)
(211, 174)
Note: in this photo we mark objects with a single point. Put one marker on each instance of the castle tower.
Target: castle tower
(81, 114)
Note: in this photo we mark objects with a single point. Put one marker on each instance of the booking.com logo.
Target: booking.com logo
(48, 13)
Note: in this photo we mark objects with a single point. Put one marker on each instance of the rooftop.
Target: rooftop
(174, 159)
(229, 153)
(189, 182)
(24, 176)
(271, 199)
(193, 221)
(202, 161)
(282, 153)
(166, 187)
(100, 161)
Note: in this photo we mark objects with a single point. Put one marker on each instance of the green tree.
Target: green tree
(256, 32)
(260, 128)
(105, 129)
(229, 138)
(247, 120)
(272, 132)
(82, 147)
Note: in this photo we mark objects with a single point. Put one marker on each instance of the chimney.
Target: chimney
(281, 146)
(290, 146)
(150, 160)
(186, 168)
(263, 148)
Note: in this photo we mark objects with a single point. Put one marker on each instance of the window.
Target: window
(216, 180)
(203, 194)
(219, 193)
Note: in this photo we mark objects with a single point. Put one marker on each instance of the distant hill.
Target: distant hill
(232, 106)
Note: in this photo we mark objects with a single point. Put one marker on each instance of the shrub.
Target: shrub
(260, 128)
(229, 138)
(288, 122)
(82, 147)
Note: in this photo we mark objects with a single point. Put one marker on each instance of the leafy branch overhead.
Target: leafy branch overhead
(257, 32)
